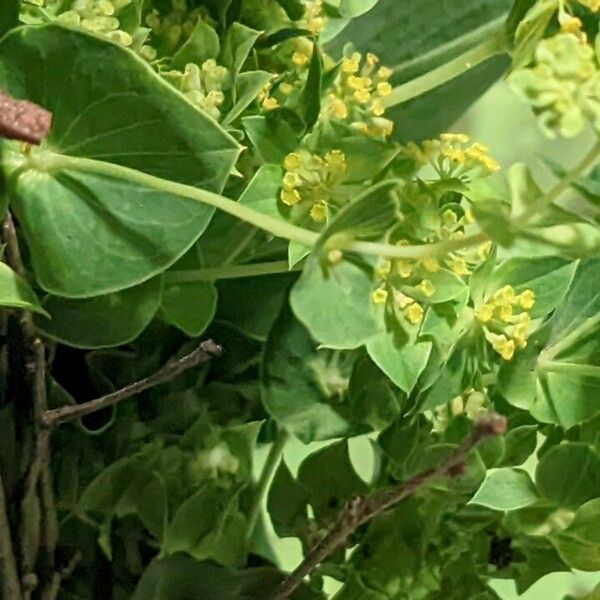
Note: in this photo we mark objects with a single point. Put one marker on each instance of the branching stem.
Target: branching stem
(363, 509)
(64, 414)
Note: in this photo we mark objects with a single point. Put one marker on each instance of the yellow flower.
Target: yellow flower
(527, 299)
(484, 250)
(593, 5)
(290, 197)
(449, 218)
(384, 88)
(292, 161)
(286, 88)
(270, 103)
(383, 126)
(404, 268)
(505, 294)
(336, 163)
(484, 313)
(334, 256)
(377, 108)
(362, 96)
(351, 65)
(459, 266)
(300, 59)
(318, 212)
(402, 300)
(430, 264)
(291, 180)
(379, 296)
(414, 313)
(426, 288)
(372, 59)
(384, 73)
(504, 347)
(338, 107)
(505, 311)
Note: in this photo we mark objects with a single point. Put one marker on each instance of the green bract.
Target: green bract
(253, 289)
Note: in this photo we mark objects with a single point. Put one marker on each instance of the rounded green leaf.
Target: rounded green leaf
(569, 474)
(90, 235)
(104, 321)
(506, 489)
(14, 291)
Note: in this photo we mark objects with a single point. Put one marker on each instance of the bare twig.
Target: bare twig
(205, 351)
(23, 120)
(360, 510)
(9, 573)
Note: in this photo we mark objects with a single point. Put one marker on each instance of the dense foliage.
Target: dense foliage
(276, 175)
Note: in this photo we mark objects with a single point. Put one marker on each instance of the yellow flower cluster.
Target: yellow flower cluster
(202, 85)
(175, 27)
(472, 403)
(310, 180)
(357, 95)
(102, 17)
(451, 155)
(593, 5)
(506, 319)
(392, 287)
(265, 99)
(313, 19)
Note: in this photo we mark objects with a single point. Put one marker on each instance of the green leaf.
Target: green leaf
(350, 319)
(355, 8)
(90, 234)
(237, 43)
(569, 474)
(519, 445)
(202, 44)
(207, 526)
(402, 363)
(330, 480)
(287, 503)
(579, 544)
(263, 299)
(9, 15)
(506, 489)
(303, 387)
(103, 321)
(262, 192)
(293, 8)
(189, 306)
(15, 292)
(548, 277)
(373, 398)
(413, 37)
(181, 577)
(247, 86)
(310, 99)
(272, 136)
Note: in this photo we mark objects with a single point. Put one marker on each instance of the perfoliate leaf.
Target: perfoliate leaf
(202, 44)
(77, 224)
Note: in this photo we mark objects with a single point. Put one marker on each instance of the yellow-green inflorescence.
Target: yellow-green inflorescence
(309, 181)
(203, 85)
(452, 155)
(563, 84)
(103, 17)
(505, 320)
(357, 95)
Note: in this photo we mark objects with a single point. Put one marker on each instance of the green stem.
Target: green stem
(47, 161)
(230, 272)
(573, 369)
(583, 329)
(553, 194)
(496, 44)
(266, 476)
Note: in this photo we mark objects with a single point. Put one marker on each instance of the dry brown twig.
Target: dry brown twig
(363, 509)
(23, 120)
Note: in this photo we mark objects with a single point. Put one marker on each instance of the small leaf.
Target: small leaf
(273, 136)
(248, 85)
(506, 489)
(287, 504)
(310, 99)
(189, 306)
(569, 474)
(15, 292)
(201, 45)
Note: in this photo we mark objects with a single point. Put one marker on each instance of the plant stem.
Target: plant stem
(585, 327)
(572, 369)
(272, 225)
(496, 44)
(64, 414)
(11, 585)
(266, 476)
(361, 510)
(230, 272)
